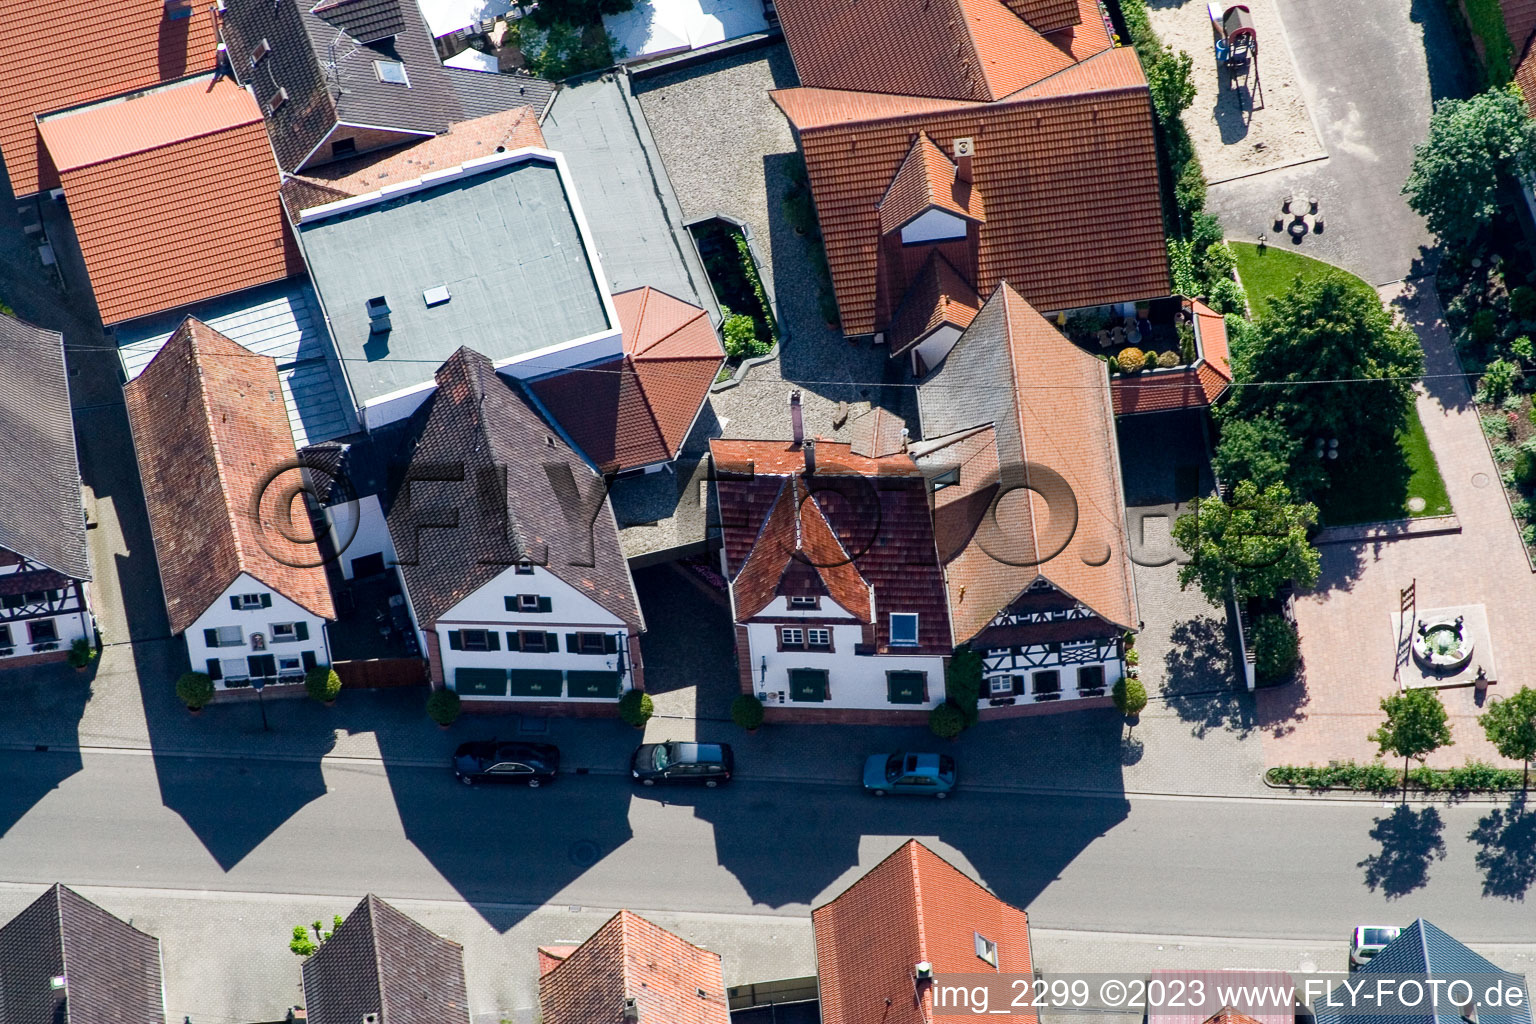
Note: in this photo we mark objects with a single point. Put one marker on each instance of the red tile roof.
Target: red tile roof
(1067, 170)
(858, 528)
(1519, 23)
(43, 69)
(210, 429)
(1206, 1010)
(1192, 387)
(911, 907)
(1525, 76)
(637, 410)
(927, 179)
(1048, 15)
(173, 195)
(938, 296)
(671, 980)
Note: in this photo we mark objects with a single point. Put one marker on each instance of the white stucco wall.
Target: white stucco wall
(936, 346)
(854, 681)
(933, 225)
(358, 528)
(255, 620)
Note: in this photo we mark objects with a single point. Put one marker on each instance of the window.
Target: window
(819, 637)
(591, 643)
(524, 569)
(1090, 677)
(476, 639)
(262, 666)
(509, 768)
(290, 668)
(527, 603)
(391, 71)
(223, 636)
(530, 642)
(247, 602)
(284, 632)
(43, 631)
(278, 99)
(234, 668)
(805, 602)
(904, 629)
(1047, 684)
(5, 636)
(986, 949)
(259, 51)
(949, 479)
(1000, 686)
(343, 147)
(790, 636)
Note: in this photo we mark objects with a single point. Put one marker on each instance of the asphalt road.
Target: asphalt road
(1208, 867)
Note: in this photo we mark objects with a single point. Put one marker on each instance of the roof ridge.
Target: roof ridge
(1018, 405)
(911, 846)
(1021, 95)
(179, 140)
(221, 470)
(373, 941)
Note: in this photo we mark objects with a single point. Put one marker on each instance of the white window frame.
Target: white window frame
(378, 70)
(791, 636)
(818, 637)
(464, 635)
(250, 602)
(802, 601)
(1007, 685)
(527, 603)
(904, 616)
(290, 668)
(278, 637)
(986, 949)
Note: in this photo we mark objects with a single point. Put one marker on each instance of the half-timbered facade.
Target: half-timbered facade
(1048, 646)
(44, 599)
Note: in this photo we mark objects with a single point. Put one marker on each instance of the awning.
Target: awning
(907, 687)
(535, 682)
(480, 682)
(808, 684)
(592, 684)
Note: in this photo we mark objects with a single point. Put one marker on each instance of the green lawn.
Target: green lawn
(1369, 493)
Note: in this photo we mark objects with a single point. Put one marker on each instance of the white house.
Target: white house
(43, 564)
(244, 582)
(836, 588)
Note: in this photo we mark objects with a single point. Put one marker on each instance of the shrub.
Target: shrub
(1114, 367)
(1204, 231)
(1522, 348)
(1275, 648)
(1522, 303)
(636, 707)
(1186, 342)
(1181, 266)
(1131, 359)
(740, 336)
(1377, 777)
(1528, 535)
(1130, 697)
(1505, 453)
(1189, 189)
(1521, 508)
(194, 689)
(1218, 260)
(323, 683)
(1167, 360)
(947, 721)
(1500, 378)
(1496, 427)
(1484, 326)
(1226, 296)
(747, 711)
(443, 706)
(1525, 469)
(81, 652)
(962, 682)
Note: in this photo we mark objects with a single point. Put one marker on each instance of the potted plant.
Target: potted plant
(443, 707)
(323, 684)
(747, 712)
(1130, 698)
(947, 721)
(195, 689)
(636, 708)
(81, 653)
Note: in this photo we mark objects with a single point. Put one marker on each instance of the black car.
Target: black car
(709, 763)
(528, 764)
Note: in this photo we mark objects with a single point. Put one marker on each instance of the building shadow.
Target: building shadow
(50, 699)
(701, 654)
(1506, 840)
(1449, 75)
(1410, 843)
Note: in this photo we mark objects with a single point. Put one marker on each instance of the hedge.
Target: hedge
(1376, 777)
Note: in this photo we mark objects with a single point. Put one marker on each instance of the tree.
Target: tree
(302, 945)
(747, 712)
(323, 683)
(1258, 541)
(1416, 727)
(195, 689)
(947, 721)
(962, 682)
(636, 708)
(1276, 648)
(1129, 696)
(1257, 449)
(1328, 361)
(443, 707)
(1510, 725)
(1474, 147)
(1170, 77)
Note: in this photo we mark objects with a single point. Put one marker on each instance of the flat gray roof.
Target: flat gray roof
(506, 244)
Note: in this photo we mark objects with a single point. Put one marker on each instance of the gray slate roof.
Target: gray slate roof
(382, 962)
(1423, 949)
(978, 368)
(41, 513)
(111, 970)
(481, 437)
(481, 93)
(505, 243)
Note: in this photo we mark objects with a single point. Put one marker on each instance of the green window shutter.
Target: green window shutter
(545, 604)
(572, 643)
(262, 665)
(266, 600)
(455, 640)
(593, 684)
(211, 637)
(552, 643)
(513, 644)
(906, 687)
(492, 640)
(480, 682)
(610, 644)
(215, 670)
(234, 603)
(510, 602)
(308, 659)
(301, 630)
(535, 682)
(808, 684)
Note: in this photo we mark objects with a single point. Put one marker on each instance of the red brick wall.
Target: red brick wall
(272, 691)
(842, 716)
(47, 657)
(434, 660)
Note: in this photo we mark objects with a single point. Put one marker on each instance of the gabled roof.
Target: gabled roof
(111, 970)
(211, 432)
(1047, 403)
(637, 410)
(957, 49)
(1192, 387)
(938, 295)
(478, 429)
(911, 907)
(877, 434)
(379, 961)
(927, 179)
(173, 196)
(41, 72)
(367, 21)
(670, 980)
(1423, 949)
(857, 530)
(1068, 168)
(42, 516)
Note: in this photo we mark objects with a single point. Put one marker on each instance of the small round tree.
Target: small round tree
(1130, 697)
(946, 721)
(636, 708)
(323, 683)
(81, 653)
(747, 712)
(443, 706)
(1416, 726)
(195, 689)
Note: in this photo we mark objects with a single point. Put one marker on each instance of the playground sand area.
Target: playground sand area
(1257, 122)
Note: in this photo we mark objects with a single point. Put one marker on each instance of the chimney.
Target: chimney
(965, 149)
(631, 1010)
(923, 971)
(796, 421)
(810, 456)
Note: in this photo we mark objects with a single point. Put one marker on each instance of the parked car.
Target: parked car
(1368, 940)
(709, 763)
(910, 773)
(527, 764)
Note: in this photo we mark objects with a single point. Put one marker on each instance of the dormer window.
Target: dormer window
(259, 51)
(986, 949)
(903, 629)
(933, 225)
(805, 602)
